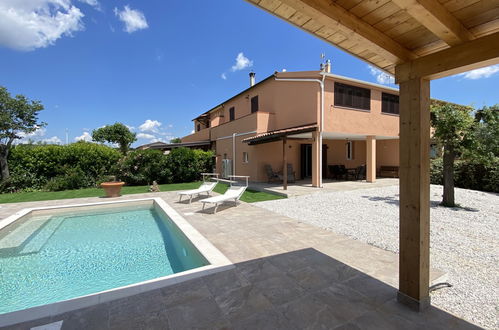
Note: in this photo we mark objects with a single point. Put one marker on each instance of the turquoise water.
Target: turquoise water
(45, 259)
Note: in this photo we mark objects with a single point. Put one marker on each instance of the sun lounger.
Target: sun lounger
(206, 187)
(233, 193)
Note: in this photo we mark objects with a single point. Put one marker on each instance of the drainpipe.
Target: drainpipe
(234, 153)
(321, 124)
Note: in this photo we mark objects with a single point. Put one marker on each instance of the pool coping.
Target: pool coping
(217, 263)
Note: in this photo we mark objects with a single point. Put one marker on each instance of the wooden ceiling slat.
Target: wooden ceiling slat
(487, 28)
(484, 16)
(270, 5)
(312, 25)
(284, 11)
(347, 4)
(366, 6)
(393, 21)
(469, 12)
(299, 18)
(416, 38)
(405, 27)
(454, 5)
(381, 13)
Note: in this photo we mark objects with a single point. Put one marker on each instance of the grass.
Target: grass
(249, 196)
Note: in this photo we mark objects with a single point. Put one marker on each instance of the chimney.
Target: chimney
(252, 78)
(327, 66)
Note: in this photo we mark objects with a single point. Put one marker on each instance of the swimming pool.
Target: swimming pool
(52, 255)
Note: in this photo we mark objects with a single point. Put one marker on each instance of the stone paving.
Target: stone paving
(288, 275)
(304, 187)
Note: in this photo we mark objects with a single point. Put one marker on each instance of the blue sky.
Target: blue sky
(155, 65)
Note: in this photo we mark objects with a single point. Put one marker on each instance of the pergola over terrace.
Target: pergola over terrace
(417, 41)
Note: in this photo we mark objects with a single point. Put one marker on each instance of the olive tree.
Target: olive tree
(18, 117)
(116, 133)
(454, 127)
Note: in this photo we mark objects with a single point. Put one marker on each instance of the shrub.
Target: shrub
(186, 164)
(470, 174)
(141, 167)
(83, 164)
(33, 166)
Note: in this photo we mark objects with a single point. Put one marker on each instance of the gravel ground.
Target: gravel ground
(464, 241)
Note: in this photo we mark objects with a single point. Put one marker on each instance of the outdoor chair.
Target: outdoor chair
(233, 193)
(206, 187)
(291, 174)
(337, 171)
(271, 175)
(360, 173)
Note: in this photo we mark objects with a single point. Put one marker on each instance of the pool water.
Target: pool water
(49, 258)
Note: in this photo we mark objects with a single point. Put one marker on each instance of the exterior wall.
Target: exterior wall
(354, 121)
(337, 155)
(387, 153)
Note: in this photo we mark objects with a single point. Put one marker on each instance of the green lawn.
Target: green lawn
(249, 196)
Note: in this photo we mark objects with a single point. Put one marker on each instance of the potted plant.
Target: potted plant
(112, 188)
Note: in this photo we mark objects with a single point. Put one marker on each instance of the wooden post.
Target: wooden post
(284, 164)
(371, 159)
(414, 258)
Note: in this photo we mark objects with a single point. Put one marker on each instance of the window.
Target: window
(245, 157)
(389, 103)
(352, 97)
(254, 104)
(349, 150)
(232, 114)
(199, 127)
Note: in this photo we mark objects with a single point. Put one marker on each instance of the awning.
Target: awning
(279, 134)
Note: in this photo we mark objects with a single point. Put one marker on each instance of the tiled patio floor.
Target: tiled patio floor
(304, 187)
(288, 275)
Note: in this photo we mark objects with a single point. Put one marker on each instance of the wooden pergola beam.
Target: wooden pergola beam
(334, 16)
(461, 58)
(432, 15)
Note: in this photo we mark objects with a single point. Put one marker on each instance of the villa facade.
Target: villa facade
(283, 118)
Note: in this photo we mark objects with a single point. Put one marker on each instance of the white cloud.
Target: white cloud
(134, 19)
(381, 76)
(150, 126)
(84, 137)
(481, 73)
(39, 132)
(52, 140)
(223, 76)
(93, 3)
(242, 62)
(145, 136)
(30, 24)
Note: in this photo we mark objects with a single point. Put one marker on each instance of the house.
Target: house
(284, 112)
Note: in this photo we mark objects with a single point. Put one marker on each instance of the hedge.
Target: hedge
(469, 174)
(83, 164)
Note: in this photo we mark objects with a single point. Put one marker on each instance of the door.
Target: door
(306, 160)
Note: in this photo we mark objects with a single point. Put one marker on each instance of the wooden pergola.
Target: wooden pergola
(416, 41)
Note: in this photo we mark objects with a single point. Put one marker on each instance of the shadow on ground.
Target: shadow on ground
(394, 200)
(303, 289)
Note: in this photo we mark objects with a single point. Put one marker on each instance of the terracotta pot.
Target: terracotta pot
(112, 189)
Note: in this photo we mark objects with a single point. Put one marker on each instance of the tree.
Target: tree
(18, 117)
(453, 126)
(116, 133)
(176, 140)
(486, 133)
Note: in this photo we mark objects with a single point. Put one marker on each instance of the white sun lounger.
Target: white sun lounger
(233, 192)
(206, 187)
